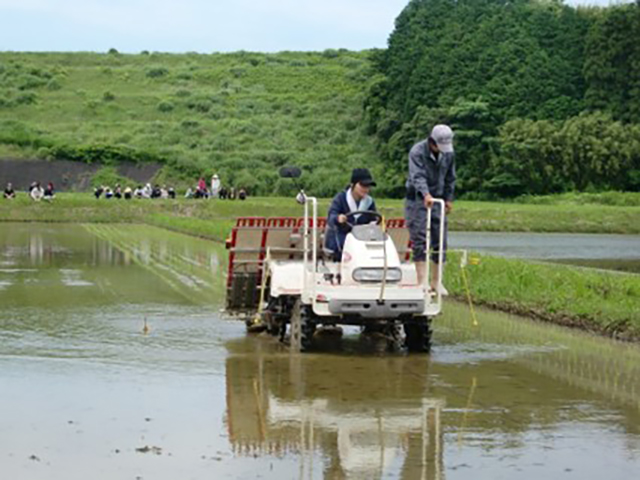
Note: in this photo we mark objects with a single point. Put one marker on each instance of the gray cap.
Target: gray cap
(443, 136)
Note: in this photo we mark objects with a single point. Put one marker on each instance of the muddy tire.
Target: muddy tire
(304, 315)
(393, 332)
(307, 327)
(273, 326)
(418, 335)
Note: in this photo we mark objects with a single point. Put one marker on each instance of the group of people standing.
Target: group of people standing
(36, 192)
(431, 176)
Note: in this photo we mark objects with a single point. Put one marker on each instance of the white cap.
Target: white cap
(215, 175)
(443, 136)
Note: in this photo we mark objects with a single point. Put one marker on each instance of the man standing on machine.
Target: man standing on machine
(432, 175)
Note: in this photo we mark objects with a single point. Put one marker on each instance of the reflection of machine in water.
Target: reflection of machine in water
(365, 417)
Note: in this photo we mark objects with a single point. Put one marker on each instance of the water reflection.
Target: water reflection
(359, 418)
(513, 395)
(604, 367)
(45, 264)
(508, 399)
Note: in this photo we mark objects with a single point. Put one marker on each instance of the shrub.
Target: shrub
(44, 153)
(330, 53)
(25, 98)
(109, 176)
(165, 106)
(238, 71)
(113, 51)
(157, 72)
(108, 96)
(29, 81)
(91, 105)
(199, 105)
(188, 124)
(54, 84)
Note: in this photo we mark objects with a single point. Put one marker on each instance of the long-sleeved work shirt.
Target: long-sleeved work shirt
(336, 233)
(431, 175)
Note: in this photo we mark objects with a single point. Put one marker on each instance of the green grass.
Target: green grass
(620, 199)
(198, 217)
(604, 302)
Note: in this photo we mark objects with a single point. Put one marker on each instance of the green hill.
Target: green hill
(241, 115)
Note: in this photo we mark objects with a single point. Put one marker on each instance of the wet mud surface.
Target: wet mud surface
(87, 394)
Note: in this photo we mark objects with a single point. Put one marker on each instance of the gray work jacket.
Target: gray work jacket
(428, 175)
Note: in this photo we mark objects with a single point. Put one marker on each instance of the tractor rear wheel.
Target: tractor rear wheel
(418, 335)
(307, 327)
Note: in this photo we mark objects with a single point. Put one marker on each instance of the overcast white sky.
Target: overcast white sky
(199, 25)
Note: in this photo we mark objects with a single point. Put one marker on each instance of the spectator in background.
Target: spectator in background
(223, 193)
(138, 192)
(232, 193)
(171, 192)
(108, 193)
(156, 192)
(98, 191)
(189, 193)
(36, 192)
(128, 193)
(202, 191)
(215, 186)
(242, 194)
(9, 192)
(147, 191)
(164, 193)
(117, 192)
(49, 192)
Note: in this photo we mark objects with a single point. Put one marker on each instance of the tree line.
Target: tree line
(544, 97)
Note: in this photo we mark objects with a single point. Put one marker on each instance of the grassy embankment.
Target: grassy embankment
(241, 115)
(600, 301)
(213, 219)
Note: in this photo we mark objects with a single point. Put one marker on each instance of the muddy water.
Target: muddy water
(84, 393)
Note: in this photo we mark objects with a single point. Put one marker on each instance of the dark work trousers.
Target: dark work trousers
(415, 214)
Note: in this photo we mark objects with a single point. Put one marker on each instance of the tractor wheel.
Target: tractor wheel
(418, 335)
(273, 326)
(303, 326)
(308, 327)
(394, 335)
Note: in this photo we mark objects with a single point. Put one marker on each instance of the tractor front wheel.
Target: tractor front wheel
(303, 326)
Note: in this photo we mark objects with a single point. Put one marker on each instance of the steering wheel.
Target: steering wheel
(363, 212)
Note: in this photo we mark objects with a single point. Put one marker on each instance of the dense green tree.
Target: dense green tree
(590, 151)
(531, 66)
(612, 65)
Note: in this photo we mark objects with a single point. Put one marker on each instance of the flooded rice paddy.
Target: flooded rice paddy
(85, 393)
(606, 251)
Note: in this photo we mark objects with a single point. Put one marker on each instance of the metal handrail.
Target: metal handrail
(314, 248)
(427, 276)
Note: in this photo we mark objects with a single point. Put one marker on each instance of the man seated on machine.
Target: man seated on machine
(341, 215)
